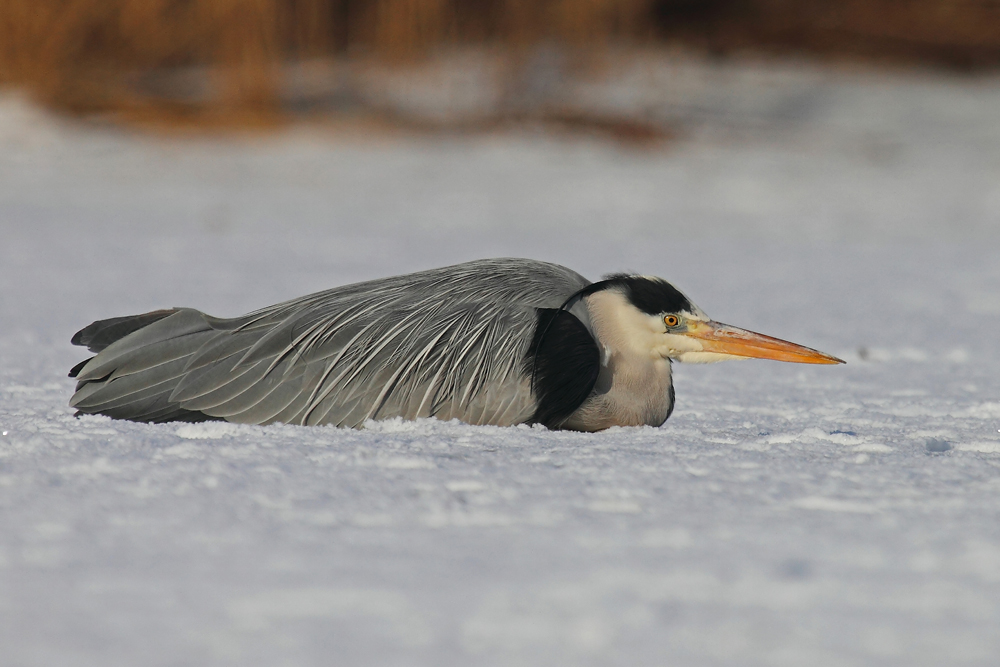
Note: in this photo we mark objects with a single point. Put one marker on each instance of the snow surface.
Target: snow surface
(785, 515)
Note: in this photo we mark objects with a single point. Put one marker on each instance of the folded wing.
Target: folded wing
(450, 343)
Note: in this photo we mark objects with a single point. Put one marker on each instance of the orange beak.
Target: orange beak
(724, 339)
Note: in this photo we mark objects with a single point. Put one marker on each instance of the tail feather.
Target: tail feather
(155, 356)
(102, 333)
(122, 390)
(155, 409)
(150, 345)
(75, 371)
(140, 361)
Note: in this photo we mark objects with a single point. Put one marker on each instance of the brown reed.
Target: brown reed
(84, 55)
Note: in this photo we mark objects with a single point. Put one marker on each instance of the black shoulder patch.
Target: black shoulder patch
(563, 362)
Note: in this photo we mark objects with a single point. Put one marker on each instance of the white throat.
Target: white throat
(634, 387)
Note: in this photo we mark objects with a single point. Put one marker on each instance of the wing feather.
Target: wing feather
(449, 342)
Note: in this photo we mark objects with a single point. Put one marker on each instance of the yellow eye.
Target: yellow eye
(671, 320)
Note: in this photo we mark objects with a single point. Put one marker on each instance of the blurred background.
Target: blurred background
(456, 63)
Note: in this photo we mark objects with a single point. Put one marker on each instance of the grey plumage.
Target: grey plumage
(499, 341)
(451, 343)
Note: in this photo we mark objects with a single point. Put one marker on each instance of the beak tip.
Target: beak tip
(822, 358)
(736, 342)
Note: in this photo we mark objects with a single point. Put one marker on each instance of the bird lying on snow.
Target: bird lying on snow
(497, 341)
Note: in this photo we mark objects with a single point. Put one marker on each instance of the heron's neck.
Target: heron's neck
(634, 387)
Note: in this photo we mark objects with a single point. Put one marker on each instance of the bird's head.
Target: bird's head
(652, 316)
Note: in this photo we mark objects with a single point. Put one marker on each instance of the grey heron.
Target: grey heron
(496, 341)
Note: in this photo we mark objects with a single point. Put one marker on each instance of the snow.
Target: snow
(785, 515)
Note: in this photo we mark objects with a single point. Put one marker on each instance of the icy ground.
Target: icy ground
(785, 515)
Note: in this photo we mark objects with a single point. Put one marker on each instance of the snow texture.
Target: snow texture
(785, 515)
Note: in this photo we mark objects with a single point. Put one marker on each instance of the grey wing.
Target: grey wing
(449, 343)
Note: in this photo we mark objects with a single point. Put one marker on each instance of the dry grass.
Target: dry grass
(78, 54)
(86, 55)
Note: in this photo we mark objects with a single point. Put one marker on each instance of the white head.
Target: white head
(651, 317)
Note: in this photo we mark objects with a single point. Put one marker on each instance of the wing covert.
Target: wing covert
(449, 343)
